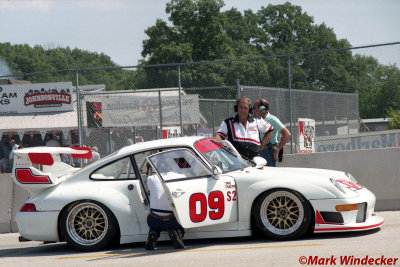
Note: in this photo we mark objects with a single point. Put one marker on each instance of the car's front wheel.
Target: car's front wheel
(88, 225)
(282, 214)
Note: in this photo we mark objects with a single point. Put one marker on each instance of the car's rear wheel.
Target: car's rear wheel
(88, 225)
(282, 214)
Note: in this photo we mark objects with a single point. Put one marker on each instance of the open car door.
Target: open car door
(196, 197)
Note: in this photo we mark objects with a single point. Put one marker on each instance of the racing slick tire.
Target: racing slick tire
(88, 225)
(282, 214)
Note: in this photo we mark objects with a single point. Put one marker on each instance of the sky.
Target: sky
(116, 27)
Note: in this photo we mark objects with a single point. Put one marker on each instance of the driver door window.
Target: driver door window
(178, 164)
(121, 169)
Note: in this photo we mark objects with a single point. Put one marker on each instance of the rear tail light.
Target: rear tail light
(28, 207)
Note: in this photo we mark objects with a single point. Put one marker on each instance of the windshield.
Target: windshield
(220, 156)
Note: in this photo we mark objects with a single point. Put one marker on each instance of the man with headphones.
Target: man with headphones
(244, 130)
(271, 150)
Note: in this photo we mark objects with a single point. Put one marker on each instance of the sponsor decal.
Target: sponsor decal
(306, 135)
(47, 99)
(349, 184)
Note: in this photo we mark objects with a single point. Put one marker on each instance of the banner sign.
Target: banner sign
(134, 110)
(40, 97)
(306, 135)
(372, 140)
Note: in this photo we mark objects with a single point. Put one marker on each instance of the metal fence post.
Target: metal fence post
(160, 107)
(213, 116)
(180, 99)
(79, 108)
(290, 105)
(238, 88)
(109, 140)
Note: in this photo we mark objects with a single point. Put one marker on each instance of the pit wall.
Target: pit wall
(376, 169)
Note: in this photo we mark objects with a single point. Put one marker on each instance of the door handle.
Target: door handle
(178, 192)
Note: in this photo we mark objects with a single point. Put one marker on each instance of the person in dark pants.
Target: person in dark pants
(161, 217)
(271, 150)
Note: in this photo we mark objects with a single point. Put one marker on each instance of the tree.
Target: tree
(394, 116)
(25, 59)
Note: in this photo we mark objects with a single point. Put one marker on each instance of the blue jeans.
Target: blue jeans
(268, 154)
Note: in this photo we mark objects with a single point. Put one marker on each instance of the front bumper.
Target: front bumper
(38, 226)
(355, 220)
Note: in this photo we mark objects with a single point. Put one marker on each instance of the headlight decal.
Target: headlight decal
(337, 185)
(350, 185)
(351, 177)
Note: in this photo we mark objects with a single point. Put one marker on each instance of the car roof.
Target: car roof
(160, 143)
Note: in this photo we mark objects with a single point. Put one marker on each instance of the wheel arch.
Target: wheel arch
(301, 197)
(68, 205)
(299, 194)
(256, 190)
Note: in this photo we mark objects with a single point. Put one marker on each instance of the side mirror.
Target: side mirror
(216, 171)
(260, 162)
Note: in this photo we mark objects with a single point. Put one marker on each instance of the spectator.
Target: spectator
(4, 153)
(95, 154)
(14, 146)
(244, 130)
(66, 158)
(52, 142)
(76, 162)
(271, 151)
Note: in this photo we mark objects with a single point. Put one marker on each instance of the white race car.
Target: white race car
(221, 195)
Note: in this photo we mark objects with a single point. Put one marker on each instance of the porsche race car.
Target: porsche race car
(217, 194)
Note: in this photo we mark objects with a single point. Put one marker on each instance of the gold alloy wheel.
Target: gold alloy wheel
(282, 213)
(87, 224)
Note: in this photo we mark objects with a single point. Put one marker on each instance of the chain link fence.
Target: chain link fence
(346, 92)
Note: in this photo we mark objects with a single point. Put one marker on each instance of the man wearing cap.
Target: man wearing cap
(271, 150)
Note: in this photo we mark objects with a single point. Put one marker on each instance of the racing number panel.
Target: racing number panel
(197, 198)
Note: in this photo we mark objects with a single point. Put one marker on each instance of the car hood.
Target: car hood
(329, 180)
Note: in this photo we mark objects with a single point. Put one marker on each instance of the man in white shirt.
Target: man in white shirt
(161, 217)
(14, 146)
(244, 130)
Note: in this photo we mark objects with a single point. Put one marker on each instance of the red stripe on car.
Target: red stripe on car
(25, 176)
(41, 158)
(207, 145)
(87, 155)
(349, 228)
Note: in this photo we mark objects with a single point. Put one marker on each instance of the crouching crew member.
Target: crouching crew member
(161, 217)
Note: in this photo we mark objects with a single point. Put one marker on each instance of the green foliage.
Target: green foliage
(199, 31)
(394, 116)
(25, 59)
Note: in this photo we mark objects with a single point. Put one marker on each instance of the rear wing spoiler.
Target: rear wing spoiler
(38, 168)
(49, 155)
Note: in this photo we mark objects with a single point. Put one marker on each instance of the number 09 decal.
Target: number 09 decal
(198, 206)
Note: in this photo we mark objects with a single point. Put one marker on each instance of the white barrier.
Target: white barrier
(376, 169)
(6, 202)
